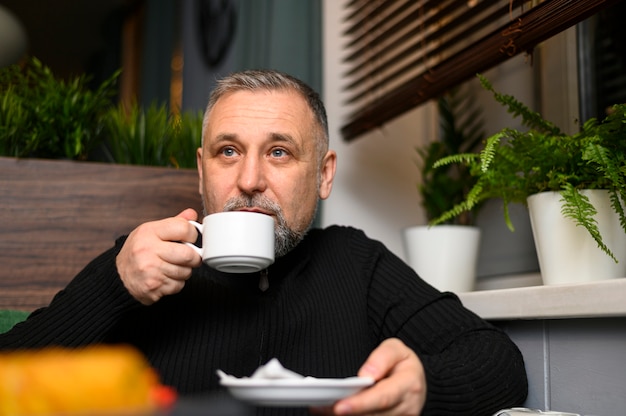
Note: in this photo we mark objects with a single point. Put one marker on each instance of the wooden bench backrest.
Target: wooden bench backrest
(56, 216)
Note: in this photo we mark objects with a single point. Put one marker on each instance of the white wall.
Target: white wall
(376, 184)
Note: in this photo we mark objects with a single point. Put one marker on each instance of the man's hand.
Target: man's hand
(400, 387)
(152, 263)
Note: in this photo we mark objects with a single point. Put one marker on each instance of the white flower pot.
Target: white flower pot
(566, 252)
(445, 256)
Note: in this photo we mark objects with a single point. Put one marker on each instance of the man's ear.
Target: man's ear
(327, 174)
(199, 166)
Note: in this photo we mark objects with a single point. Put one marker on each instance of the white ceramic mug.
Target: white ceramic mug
(236, 241)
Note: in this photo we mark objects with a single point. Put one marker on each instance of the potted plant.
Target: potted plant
(60, 202)
(441, 189)
(584, 174)
(42, 116)
(154, 136)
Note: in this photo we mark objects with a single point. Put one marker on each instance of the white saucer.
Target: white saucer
(303, 392)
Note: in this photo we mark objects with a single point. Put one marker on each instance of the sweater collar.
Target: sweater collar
(284, 267)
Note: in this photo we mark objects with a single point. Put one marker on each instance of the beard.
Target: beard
(285, 238)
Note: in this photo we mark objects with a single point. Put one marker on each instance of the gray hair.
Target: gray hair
(271, 80)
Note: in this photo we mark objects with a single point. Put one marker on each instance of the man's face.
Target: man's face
(259, 154)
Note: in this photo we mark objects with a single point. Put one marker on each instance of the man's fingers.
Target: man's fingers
(381, 397)
(153, 262)
(383, 359)
(175, 229)
(400, 383)
(188, 214)
(179, 255)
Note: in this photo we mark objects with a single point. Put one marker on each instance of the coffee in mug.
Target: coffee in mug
(236, 241)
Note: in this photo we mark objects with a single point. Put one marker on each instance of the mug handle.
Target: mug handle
(199, 228)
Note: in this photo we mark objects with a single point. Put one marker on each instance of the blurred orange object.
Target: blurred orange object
(91, 380)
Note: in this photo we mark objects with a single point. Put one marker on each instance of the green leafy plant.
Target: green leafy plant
(446, 186)
(516, 164)
(187, 137)
(153, 136)
(43, 116)
(47, 117)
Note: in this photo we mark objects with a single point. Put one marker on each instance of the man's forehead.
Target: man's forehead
(262, 94)
(267, 108)
(234, 123)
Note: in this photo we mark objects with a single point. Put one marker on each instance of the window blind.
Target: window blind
(402, 53)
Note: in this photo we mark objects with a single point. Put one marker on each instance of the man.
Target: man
(337, 304)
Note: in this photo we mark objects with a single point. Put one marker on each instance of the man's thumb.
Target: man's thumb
(188, 214)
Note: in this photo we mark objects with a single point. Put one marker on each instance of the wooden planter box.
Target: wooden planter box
(56, 216)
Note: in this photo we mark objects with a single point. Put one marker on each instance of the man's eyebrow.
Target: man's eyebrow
(222, 137)
(288, 139)
(274, 137)
(281, 137)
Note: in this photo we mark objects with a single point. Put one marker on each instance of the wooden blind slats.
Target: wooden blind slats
(376, 21)
(372, 20)
(424, 18)
(463, 24)
(408, 60)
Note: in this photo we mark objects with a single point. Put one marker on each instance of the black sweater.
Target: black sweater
(330, 302)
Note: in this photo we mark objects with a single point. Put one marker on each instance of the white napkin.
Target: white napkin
(523, 411)
(273, 370)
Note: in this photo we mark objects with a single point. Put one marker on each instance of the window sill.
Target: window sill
(583, 300)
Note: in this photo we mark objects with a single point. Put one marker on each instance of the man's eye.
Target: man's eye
(228, 151)
(279, 152)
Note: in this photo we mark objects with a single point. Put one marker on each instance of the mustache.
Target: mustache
(285, 237)
(255, 201)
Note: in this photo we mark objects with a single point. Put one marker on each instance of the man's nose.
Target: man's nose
(251, 177)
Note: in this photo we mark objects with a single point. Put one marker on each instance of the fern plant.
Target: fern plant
(460, 125)
(516, 164)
